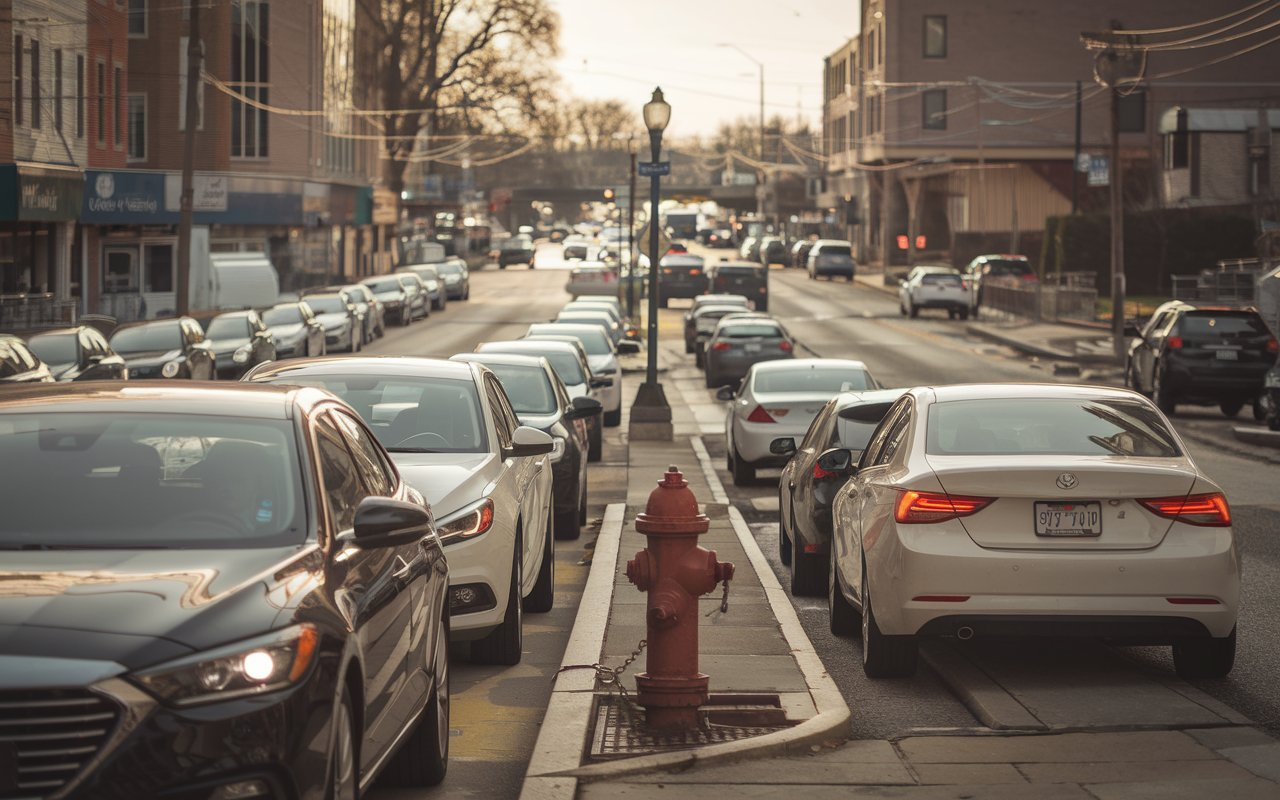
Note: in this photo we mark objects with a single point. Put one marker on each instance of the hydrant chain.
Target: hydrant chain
(724, 601)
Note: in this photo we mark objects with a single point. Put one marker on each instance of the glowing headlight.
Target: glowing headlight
(170, 369)
(468, 523)
(264, 664)
(242, 355)
(557, 448)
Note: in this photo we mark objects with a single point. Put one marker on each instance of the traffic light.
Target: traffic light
(851, 215)
(608, 195)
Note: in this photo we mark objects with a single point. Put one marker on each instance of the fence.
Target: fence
(21, 311)
(1074, 298)
(122, 306)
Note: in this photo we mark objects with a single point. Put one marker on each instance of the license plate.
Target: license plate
(752, 348)
(1273, 380)
(1228, 355)
(1068, 519)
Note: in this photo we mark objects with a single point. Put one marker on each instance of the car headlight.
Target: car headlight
(170, 369)
(468, 523)
(264, 664)
(241, 355)
(557, 448)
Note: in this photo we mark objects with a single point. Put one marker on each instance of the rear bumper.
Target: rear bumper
(753, 438)
(1205, 380)
(961, 301)
(680, 291)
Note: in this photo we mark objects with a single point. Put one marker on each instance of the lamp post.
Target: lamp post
(650, 414)
(759, 153)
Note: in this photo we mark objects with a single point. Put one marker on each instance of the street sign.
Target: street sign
(1099, 171)
(647, 169)
(1082, 162)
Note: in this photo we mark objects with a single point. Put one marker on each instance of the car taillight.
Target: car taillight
(666, 272)
(1173, 343)
(964, 284)
(760, 415)
(720, 346)
(1206, 510)
(1273, 346)
(922, 508)
(1028, 276)
(785, 346)
(694, 272)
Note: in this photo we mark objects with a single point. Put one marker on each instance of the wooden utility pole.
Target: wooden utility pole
(633, 261)
(195, 66)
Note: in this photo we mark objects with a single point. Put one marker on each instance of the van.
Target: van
(242, 280)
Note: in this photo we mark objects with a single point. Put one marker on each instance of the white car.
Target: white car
(934, 287)
(454, 437)
(1019, 509)
(587, 316)
(602, 356)
(781, 398)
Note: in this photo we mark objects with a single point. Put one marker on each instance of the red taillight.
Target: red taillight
(1028, 276)
(785, 346)
(922, 508)
(1273, 346)
(694, 272)
(760, 415)
(1173, 343)
(964, 284)
(720, 346)
(1206, 510)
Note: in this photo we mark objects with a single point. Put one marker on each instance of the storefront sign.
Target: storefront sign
(136, 194)
(385, 207)
(208, 192)
(40, 194)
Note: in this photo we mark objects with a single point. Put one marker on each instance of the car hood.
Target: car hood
(332, 318)
(286, 331)
(135, 608)
(389, 297)
(448, 481)
(225, 347)
(542, 422)
(150, 359)
(604, 365)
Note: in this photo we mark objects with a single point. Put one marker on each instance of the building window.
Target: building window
(158, 267)
(137, 127)
(935, 37)
(18, 98)
(934, 109)
(250, 77)
(1131, 113)
(118, 106)
(79, 96)
(35, 83)
(102, 103)
(137, 18)
(57, 90)
(1177, 150)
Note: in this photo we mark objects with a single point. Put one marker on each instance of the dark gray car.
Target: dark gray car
(240, 341)
(737, 343)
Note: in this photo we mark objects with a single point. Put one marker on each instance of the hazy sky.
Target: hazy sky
(612, 48)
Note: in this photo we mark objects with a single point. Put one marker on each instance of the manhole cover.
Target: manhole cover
(618, 734)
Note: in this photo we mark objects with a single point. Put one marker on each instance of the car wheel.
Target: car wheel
(884, 656)
(951, 313)
(914, 312)
(743, 472)
(1231, 408)
(712, 380)
(1162, 395)
(699, 357)
(543, 597)
(841, 615)
(808, 571)
(1260, 404)
(568, 525)
(902, 309)
(505, 643)
(423, 759)
(406, 318)
(1205, 658)
(964, 314)
(688, 348)
(595, 444)
(613, 419)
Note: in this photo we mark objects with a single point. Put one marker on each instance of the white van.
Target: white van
(242, 280)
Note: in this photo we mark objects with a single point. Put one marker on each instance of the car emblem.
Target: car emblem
(1067, 481)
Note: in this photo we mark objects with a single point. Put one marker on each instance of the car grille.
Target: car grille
(49, 735)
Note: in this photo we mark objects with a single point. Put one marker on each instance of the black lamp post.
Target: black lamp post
(650, 414)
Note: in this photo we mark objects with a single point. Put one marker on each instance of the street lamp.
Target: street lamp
(651, 414)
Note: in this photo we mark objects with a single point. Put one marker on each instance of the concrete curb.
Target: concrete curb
(1021, 346)
(1258, 436)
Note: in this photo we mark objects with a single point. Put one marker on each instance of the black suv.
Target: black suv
(739, 277)
(1200, 355)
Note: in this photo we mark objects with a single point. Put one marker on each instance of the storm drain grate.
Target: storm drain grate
(618, 734)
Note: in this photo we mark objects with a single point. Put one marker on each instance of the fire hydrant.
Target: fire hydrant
(675, 572)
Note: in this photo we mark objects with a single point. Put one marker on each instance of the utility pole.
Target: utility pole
(633, 289)
(195, 65)
(1117, 231)
(1075, 166)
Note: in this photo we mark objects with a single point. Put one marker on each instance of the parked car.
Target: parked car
(720, 237)
(807, 488)
(437, 294)
(240, 341)
(737, 343)
(517, 249)
(590, 304)
(369, 310)
(708, 299)
(166, 348)
(576, 250)
(18, 364)
(453, 435)
(296, 330)
(749, 250)
(773, 250)
(456, 277)
(984, 267)
(680, 275)
(602, 356)
(587, 316)
(703, 322)
(1200, 355)
(1070, 484)
(800, 253)
(934, 289)
(541, 401)
(740, 278)
(781, 398)
(419, 298)
(232, 606)
(569, 360)
(78, 353)
(394, 295)
(593, 279)
(831, 257)
(343, 325)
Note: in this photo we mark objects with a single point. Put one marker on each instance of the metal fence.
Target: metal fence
(124, 307)
(21, 311)
(1072, 298)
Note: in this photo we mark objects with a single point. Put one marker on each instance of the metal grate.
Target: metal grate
(619, 734)
(46, 736)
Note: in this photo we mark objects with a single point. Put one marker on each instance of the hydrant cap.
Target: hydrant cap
(672, 508)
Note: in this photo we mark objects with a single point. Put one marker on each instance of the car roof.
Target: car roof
(402, 366)
(503, 359)
(846, 399)
(233, 314)
(682, 259)
(707, 308)
(555, 343)
(720, 298)
(222, 398)
(995, 391)
(729, 321)
(811, 363)
(568, 327)
(305, 298)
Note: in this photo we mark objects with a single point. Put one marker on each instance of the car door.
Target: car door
(1146, 349)
(858, 526)
(518, 475)
(799, 475)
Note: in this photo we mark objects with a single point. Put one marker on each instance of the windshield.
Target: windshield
(179, 481)
(595, 341)
(285, 315)
(1048, 426)
(384, 285)
(57, 348)
(147, 338)
(327, 304)
(1209, 325)
(835, 250)
(528, 388)
(228, 328)
(566, 365)
(1009, 267)
(813, 380)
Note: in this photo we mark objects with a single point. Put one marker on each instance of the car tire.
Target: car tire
(951, 313)
(543, 597)
(784, 538)
(713, 380)
(699, 357)
(842, 617)
(504, 644)
(1231, 409)
(884, 656)
(423, 759)
(344, 755)
(902, 309)
(1162, 395)
(1197, 659)
(406, 318)
(1273, 423)
(808, 571)
(964, 314)
(1259, 409)
(914, 312)
(568, 524)
(613, 419)
(743, 473)
(595, 444)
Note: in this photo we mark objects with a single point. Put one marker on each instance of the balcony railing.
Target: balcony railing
(21, 311)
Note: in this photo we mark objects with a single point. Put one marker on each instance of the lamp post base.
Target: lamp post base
(650, 415)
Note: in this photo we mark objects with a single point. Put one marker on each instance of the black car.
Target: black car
(516, 250)
(166, 348)
(540, 401)
(456, 277)
(297, 332)
(740, 277)
(78, 353)
(1200, 355)
(19, 365)
(240, 342)
(244, 600)
(395, 297)
(809, 481)
(773, 250)
(800, 253)
(680, 275)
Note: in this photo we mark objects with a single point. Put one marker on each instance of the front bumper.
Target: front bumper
(483, 563)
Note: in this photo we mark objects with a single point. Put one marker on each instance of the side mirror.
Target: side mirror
(1131, 330)
(837, 460)
(384, 522)
(528, 441)
(601, 383)
(629, 347)
(726, 393)
(584, 407)
(783, 446)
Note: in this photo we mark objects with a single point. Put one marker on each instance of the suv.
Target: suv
(1200, 355)
(516, 250)
(742, 278)
(831, 257)
(984, 267)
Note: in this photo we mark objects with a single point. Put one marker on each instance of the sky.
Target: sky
(617, 49)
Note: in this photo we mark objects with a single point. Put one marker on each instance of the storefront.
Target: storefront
(38, 209)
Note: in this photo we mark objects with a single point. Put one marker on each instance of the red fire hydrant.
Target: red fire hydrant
(675, 572)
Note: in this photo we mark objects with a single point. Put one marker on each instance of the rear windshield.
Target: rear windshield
(805, 379)
(448, 268)
(384, 285)
(147, 338)
(1048, 426)
(739, 272)
(566, 365)
(1006, 267)
(835, 250)
(1219, 325)
(749, 331)
(57, 348)
(940, 280)
(527, 388)
(327, 304)
(595, 341)
(286, 315)
(852, 434)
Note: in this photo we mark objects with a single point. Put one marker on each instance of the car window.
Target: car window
(159, 336)
(1239, 327)
(341, 484)
(817, 435)
(230, 328)
(1048, 426)
(373, 471)
(284, 315)
(881, 433)
(749, 332)
(503, 418)
(893, 442)
(54, 348)
(527, 387)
